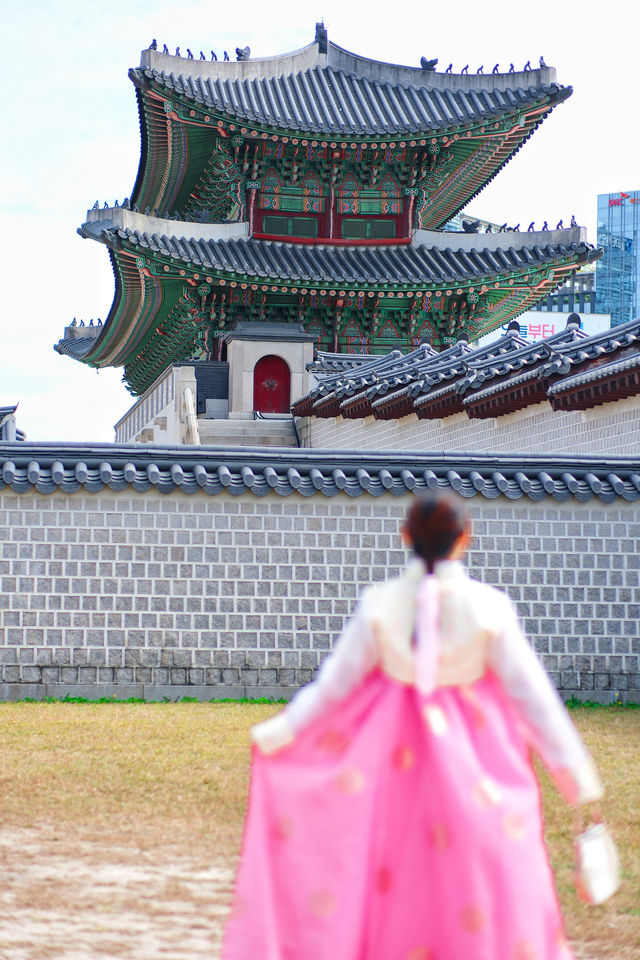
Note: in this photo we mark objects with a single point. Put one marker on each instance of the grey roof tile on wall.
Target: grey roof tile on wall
(69, 468)
(497, 387)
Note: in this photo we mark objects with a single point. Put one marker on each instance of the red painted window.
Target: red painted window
(353, 215)
(271, 385)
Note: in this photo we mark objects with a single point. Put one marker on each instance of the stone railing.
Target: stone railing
(140, 416)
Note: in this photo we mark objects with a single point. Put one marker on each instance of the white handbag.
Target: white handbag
(597, 873)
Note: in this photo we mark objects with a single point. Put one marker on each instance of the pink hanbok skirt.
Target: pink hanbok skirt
(399, 827)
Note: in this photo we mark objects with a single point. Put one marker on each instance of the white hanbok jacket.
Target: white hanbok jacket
(478, 632)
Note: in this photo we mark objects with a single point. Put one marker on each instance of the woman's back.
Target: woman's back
(470, 614)
(394, 809)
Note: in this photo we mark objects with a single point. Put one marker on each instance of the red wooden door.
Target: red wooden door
(271, 385)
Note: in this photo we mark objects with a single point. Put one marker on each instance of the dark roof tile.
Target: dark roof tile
(476, 374)
(414, 264)
(285, 472)
(334, 102)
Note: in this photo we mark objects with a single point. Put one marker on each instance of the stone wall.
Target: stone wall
(612, 428)
(148, 594)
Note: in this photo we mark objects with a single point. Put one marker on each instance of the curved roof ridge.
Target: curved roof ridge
(366, 66)
(283, 63)
(340, 58)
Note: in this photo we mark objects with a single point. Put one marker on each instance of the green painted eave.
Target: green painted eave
(179, 135)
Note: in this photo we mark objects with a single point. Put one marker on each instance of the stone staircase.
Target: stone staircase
(235, 432)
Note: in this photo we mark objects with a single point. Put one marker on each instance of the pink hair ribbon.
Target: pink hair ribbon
(426, 632)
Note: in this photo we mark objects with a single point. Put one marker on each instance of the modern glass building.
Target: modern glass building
(618, 272)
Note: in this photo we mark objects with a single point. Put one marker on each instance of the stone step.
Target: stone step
(242, 433)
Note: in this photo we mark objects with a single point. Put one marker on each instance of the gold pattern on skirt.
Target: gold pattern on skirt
(525, 950)
(439, 837)
(384, 880)
(403, 758)
(435, 719)
(513, 826)
(333, 741)
(420, 953)
(486, 793)
(351, 780)
(283, 828)
(322, 904)
(472, 919)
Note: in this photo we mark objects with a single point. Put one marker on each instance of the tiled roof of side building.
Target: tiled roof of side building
(368, 380)
(572, 353)
(350, 393)
(593, 374)
(597, 385)
(385, 368)
(325, 362)
(442, 367)
(326, 101)
(470, 377)
(483, 370)
(514, 381)
(562, 355)
(423, 364)
(284, 472)
(333, 374)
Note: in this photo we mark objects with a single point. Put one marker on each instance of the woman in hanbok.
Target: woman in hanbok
(394, 811)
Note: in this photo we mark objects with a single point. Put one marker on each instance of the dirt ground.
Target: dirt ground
(63, 897)
(69, 898)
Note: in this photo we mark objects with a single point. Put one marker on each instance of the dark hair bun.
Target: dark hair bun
(435, 521)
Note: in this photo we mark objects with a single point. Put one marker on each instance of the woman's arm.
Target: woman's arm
(353, 656)
(553, 735)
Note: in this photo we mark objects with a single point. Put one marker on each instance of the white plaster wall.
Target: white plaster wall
(243, 356)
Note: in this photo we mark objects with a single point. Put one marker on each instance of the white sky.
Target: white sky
(71, 137)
